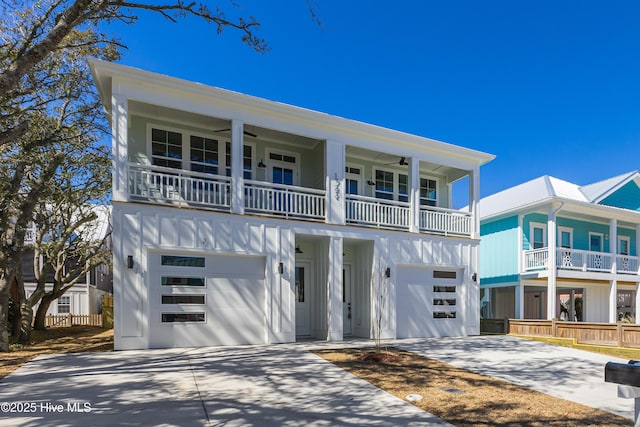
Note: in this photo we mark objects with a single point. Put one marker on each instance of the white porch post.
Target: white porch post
(334, 288)
(638, 272)
(119, 158)
(613, 301)
(335, 182)
(520, 301)
(237, 168)
(552, 268)
(613, 289)
(414, 195)
(520, 249)
(450, 193)
(474, 199)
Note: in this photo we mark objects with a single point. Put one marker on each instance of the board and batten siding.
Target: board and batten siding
(499, 251)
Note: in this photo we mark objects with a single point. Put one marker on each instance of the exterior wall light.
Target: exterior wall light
(387, 272)
(129, 261)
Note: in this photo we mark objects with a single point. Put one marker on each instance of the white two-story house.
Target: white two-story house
(241, 220)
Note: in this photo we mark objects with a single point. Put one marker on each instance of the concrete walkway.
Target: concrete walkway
(282, 385)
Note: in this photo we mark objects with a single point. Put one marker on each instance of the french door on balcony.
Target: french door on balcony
(282, 169)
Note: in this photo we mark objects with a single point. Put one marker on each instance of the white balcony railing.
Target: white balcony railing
(383, 213)
(181, 187)
(445, 221)
(536, 259)
(286, 201)
(626, 264)
(580, 260)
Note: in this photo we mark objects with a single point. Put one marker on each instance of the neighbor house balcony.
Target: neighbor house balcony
(177, 187)
(580, 260)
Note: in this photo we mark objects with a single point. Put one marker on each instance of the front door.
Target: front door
(347, 308)
(303, 314)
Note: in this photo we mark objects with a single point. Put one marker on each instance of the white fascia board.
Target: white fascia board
(605, 212)
(172, 92)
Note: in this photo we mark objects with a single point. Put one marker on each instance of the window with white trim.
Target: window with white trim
(538, 235)
(64, 304)
(352, 179)
(166, 148)
(247, 160)
(204, 154)
(384, 185)
(623, 245)
(565, 237)
(428, 192)
(595, 242)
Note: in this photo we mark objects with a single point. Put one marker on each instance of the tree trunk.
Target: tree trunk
(41, 312)
(4, 314)
(15, 319)
(26, 317)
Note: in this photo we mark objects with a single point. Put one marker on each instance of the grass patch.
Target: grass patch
(464, 398)
(75, 339)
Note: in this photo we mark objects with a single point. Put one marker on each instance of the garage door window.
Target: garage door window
(182, 281)
(182, 317)
(183, 299)
(444, 301)
(182, 261)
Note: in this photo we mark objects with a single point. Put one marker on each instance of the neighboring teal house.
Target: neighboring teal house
(591, 272)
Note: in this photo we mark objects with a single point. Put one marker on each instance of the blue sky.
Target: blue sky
(549, 87)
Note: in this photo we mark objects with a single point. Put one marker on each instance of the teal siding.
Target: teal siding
(627, 197)
(498, 251)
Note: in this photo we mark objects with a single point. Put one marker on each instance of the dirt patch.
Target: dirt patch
(464, 398)
(75, 339)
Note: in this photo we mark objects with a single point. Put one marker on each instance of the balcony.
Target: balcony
(580, 260)
(176, 187)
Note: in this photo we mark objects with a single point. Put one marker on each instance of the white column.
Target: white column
(414, 195)
(551, 280)
(520, 301)
(237, 168)
(637, 303)
(613, 301)
(613, 244)
(474, 199)
(335, 182)
(520, 249)
(334, 288)
(119, 143)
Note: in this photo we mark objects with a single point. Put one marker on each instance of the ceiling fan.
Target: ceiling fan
(402, 162)
(243, 131)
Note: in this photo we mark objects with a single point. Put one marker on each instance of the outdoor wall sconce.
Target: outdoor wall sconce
(129, 261)
(474, 277)
(387, 272)
(370, 182)
(280, 268)
(261, 164)
(298, 250)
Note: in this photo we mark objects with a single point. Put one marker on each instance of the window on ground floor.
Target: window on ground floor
(64, 304)
(626, 306)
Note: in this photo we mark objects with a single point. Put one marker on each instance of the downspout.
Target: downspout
(551, 280)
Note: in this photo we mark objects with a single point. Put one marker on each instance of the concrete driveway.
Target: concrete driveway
(282, 385)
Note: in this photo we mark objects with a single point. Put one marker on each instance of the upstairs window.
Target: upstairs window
(166, 148)
(204, 155)
(428, 192)
(353, 177)
(384, 185)
(538, 236)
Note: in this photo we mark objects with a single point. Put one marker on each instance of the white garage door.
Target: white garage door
(429, 302)
(210, 300)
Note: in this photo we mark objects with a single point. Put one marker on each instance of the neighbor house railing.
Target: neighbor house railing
(445, 221)
(616, 334)
(177, 186)
(363, 210)
(66, 320)
(267, 198)
(580, 260)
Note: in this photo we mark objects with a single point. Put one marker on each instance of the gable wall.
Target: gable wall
(627, 197)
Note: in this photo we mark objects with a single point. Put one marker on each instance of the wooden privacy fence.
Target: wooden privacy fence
(614, 334)
(66, 320)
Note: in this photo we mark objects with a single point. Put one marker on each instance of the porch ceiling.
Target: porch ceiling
(391, 159)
